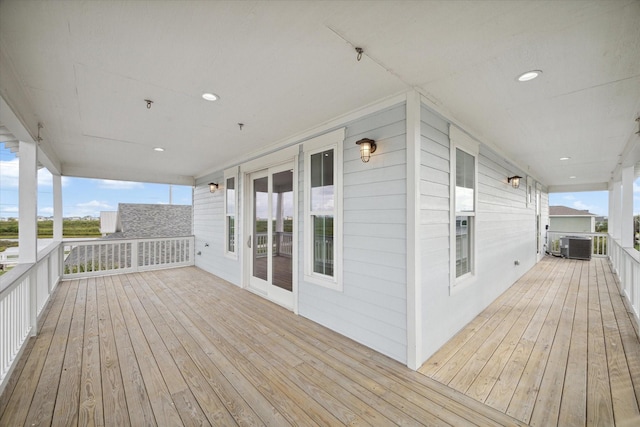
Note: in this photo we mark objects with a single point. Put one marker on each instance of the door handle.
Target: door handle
(249, 241)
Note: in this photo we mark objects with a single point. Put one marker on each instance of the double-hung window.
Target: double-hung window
(323, 209)
(465, 210)
(230, 212)
(464, 165)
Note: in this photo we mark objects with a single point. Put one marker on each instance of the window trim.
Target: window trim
(228, 174)
(332, 140)
(458, 140)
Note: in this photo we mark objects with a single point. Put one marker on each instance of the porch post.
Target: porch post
(626, 211)
(614, 228)
(57, 207)
(612, 213)
(28, 202)
(28, 222)
(279, 222)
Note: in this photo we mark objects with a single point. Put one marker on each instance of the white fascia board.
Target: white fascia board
(127, 175)
(596, 186)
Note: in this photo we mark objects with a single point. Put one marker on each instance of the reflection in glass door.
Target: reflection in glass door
(260, 242)
(282, 218)
(272, 240)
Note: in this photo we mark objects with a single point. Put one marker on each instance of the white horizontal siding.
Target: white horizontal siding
(505, 232)
(209, 228)
(371, 309)
(434, 221)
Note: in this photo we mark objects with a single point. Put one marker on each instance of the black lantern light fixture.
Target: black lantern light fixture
(514, 180)
(367, 146)
(213, 187)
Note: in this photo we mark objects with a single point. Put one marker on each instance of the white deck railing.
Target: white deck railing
(626, 263)
(599, 242)
(84, 258)
(25, 290)
(282, 244)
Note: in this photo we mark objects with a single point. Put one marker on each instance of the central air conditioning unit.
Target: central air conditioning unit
(573, 247)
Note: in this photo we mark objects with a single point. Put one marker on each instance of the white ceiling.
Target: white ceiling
(84, 68)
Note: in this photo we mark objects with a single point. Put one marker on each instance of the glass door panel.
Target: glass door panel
(282, 226)
(271, 244)
(260, 238)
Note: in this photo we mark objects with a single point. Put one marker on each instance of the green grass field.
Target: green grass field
(70, 228)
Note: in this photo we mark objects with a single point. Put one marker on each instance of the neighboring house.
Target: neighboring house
(108, 221)
(138, 221)
(135, 221)
(564, 219)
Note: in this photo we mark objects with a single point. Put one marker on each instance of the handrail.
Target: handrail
(24, 292)
(85, 258)
(26, 289)
(626, 264)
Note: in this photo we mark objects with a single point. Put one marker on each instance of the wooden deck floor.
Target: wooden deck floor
(182, 347)
(558, 348)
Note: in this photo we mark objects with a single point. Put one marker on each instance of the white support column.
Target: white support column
(626, 211)
(28, 203)
(57, 207)
(279, 214)
(28, 222)
(414, 272)
(611, 218)
(614, 227)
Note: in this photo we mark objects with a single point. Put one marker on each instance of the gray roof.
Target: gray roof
(139, 221)
(565, 211)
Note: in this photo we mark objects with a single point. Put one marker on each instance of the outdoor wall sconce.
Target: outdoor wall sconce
(514, 180)
(367, 146)
(213, 187)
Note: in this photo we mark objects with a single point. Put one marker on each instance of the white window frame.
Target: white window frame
(459, 140)
(332, 140)
(228, 174)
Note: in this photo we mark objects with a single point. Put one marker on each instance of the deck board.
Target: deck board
(183, 347)
(577, 361)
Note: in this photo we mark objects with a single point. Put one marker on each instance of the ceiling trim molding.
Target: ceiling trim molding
(598, 186)
(126, 175)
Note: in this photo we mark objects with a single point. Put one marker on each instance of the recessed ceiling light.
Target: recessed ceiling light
(529, 75)
(572, 177)
(158, 149)
(565, 158)
(210, 96)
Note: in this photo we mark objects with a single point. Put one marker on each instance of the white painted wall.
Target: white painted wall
(208, 228)
(577, 224)
(371, 309)
(505, 232)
